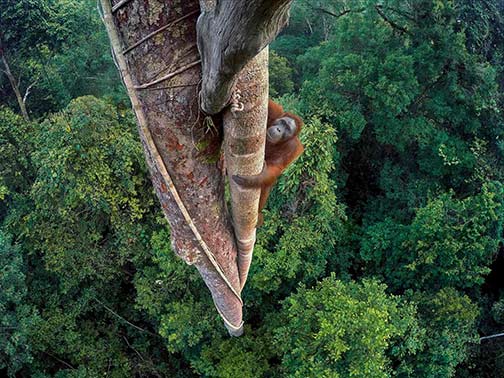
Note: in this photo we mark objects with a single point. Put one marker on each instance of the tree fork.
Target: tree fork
(172, 131)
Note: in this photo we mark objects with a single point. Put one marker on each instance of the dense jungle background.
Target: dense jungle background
(381, 253)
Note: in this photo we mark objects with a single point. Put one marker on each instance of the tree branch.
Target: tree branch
(331, 13)
(336, 15)
(230, 34)
(59, 360)
(400, 13)
(389, 21)
(27, 92)
(12, 80)
(492, 336)
(123, 319)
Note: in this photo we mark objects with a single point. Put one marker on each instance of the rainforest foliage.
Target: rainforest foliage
(381, 254)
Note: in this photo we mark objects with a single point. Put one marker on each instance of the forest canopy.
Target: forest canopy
(381, 251)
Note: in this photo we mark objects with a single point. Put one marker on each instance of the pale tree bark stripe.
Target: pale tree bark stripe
(244, 143)
(119, 5)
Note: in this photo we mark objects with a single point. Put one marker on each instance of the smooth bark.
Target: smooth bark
(244, 141)
(231, 36)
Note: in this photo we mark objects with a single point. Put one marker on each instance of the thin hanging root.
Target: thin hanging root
(174, 87)
(209, 126)
(119, 5)
(149, 36)
(156, 157)
(169, 76)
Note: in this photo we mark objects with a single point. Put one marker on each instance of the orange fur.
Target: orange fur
(277, 157)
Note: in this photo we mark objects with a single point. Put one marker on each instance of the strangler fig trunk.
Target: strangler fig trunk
(174, 138)
(155, 49)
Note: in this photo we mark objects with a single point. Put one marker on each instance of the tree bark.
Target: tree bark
(230, 34)
(244, 142)
(14, 84)
(176, 142)
(154, 44)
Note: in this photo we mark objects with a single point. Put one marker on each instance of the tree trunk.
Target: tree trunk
(230, 34)
(176, 142)
(14, 84)
(154, 44)
(244, 141)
